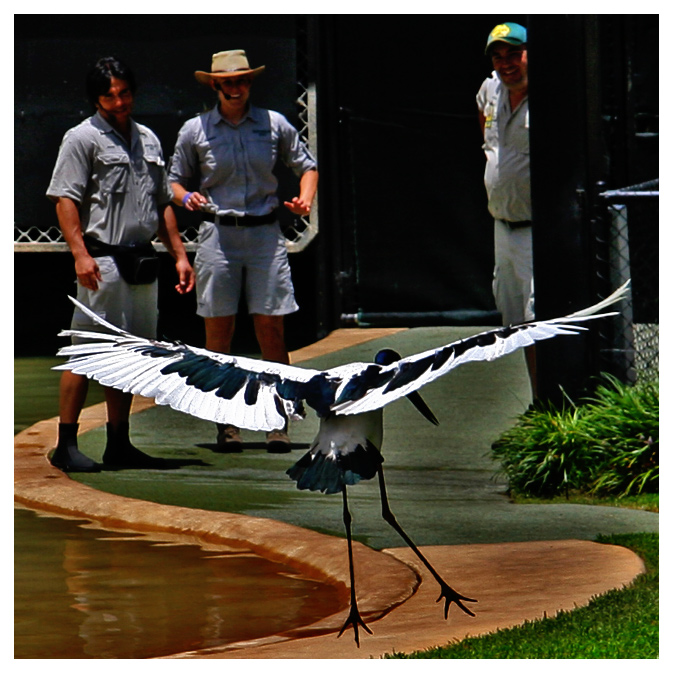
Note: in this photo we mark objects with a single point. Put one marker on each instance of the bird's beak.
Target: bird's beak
(420, 404)
(386, 357)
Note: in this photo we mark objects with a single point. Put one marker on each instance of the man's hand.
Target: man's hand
(193, 201)
(185, 275)
(86, 267)
(88, 273)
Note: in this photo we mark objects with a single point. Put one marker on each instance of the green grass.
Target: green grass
(648, 502)
(36, 391)
(621, 624)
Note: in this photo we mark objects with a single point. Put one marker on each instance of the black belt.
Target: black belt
(243, 221)
(97, 248)
(518, 225)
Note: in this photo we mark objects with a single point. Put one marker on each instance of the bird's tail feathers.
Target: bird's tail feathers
(592, 311)
(329, 472)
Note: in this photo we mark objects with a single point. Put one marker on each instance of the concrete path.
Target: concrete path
(515, 583)
(441, 481)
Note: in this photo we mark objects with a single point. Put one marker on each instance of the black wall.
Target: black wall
(405, 181)
(403, 218)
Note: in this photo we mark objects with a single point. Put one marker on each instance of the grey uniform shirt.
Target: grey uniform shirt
(506, 145)
(118, 188)
(234, 163)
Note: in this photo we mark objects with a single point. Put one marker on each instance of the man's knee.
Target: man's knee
(219, 333)
(269, 326)
(270, 333)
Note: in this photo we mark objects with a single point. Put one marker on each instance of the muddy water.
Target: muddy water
(81, 592)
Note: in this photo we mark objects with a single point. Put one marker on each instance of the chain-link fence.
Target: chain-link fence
(630, 250)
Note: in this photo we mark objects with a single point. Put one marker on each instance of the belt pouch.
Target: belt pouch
(137, 264)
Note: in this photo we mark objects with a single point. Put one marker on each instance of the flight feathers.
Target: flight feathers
(261, 395)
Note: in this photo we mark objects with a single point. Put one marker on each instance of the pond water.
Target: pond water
(82, 592)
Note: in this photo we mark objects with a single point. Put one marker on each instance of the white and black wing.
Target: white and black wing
(260, 395)
(250, 393)
(375, 386)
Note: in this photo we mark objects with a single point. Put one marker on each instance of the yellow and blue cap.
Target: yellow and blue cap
(512, 33)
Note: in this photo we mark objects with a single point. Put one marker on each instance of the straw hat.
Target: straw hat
(233, 63)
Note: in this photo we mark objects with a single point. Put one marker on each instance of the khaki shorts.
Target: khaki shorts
(513, 275)
(230, 257)
(131, 307)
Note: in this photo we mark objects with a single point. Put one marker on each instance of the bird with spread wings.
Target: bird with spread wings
(348, 399)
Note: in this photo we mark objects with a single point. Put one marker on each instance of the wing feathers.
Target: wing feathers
(213, 386)
(411, 373)
(260, 395)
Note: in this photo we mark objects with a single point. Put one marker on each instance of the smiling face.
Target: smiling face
(116, 105)
(511, 64)
(234, 93)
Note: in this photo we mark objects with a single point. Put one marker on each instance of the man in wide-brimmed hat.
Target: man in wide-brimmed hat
(503, 114)
(232, 151)
(227, 64)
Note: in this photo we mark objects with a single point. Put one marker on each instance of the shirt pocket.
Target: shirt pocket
(114, 173)
(262, 152)
(521, 138)
(220, 159)
(155, 167)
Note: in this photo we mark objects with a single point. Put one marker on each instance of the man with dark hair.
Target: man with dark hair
(112, 196)
(99, 77)
(503, 114)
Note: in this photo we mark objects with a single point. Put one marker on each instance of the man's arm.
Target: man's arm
(170, 236)
(482, 122)
(86, 268)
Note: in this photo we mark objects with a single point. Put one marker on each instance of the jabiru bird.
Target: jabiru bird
(348, 399)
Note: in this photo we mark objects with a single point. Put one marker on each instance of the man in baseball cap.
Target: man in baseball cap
(503, 113)
(511, 33)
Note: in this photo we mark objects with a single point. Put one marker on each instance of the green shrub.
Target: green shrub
(547, 452)
(608, 445)
(625, 421)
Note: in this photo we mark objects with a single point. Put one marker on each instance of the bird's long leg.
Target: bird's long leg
(354, 618)
(447, 592)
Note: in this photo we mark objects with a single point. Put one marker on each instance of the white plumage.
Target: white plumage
(257, 395)
(261, 395)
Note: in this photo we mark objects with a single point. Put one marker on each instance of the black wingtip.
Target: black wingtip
(416, 399)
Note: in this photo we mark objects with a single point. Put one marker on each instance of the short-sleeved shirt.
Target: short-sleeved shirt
(118, 188)
(506, 145)
(234, 162)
